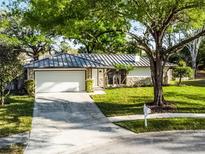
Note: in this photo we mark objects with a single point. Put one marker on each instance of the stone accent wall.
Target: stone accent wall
(146, 81)
(89, 73)
(138, 81)
(101, 79)
(30, 74)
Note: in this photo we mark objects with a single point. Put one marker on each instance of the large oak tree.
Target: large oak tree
(153, 22)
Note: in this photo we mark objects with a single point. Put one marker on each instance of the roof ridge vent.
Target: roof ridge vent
(137, 58)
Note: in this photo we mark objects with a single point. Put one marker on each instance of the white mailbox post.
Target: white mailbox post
(146, 112)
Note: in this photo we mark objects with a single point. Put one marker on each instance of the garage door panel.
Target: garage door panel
(60, 81)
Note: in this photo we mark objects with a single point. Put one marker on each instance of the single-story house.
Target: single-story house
(69, 72)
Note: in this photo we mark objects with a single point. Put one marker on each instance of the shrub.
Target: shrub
(89, 85)
(30, 87)
(124, 67)
(182, 71)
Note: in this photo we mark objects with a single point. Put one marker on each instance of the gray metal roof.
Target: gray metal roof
(66, 60)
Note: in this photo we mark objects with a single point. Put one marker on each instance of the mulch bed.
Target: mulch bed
(167, 107)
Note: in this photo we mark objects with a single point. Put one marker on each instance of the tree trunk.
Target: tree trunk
(194, 67)
(157, 80)
(2, 93)
(124, 80)
(180, 80)
(194, 50)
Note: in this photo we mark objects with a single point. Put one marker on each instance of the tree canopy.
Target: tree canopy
(75, 20)
(32, 41)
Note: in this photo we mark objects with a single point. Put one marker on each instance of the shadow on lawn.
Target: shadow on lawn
(12, 114)
(198, 83)
(194, 97)
(111, 109)
(195, 103)
(135, 106)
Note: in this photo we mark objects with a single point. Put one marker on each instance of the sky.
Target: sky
(4, 1)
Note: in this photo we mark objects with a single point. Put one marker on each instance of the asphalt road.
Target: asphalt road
(181, 142)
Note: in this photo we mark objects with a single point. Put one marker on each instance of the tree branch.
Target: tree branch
(174, 11)
(184, 42)
(142, 44)
(140, 41)
(167, 21)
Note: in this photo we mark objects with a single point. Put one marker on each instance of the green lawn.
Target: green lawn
(127, 101)
(16, 117)
(13, 149)
(156, 125)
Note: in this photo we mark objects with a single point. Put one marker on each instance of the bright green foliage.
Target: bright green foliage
(30, 87)
(89, 85)
(69, 17)
(9, 41)
(182, 71)
(97, 41)
(75, 20)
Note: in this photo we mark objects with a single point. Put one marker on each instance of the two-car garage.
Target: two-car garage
(59, 80)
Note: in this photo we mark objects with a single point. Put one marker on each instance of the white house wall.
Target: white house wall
(140, 72)
(142, 76)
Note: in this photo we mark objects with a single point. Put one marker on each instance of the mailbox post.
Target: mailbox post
(146, 112)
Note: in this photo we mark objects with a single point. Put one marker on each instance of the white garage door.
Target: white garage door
(59, 81)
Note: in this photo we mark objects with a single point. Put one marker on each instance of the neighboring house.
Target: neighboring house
(68, 72)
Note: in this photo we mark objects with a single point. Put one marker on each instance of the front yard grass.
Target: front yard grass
(156, 125)
(189, 98)
(16, 117)
(13, 149)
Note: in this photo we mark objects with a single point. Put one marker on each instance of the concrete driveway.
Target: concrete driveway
(67, 123)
